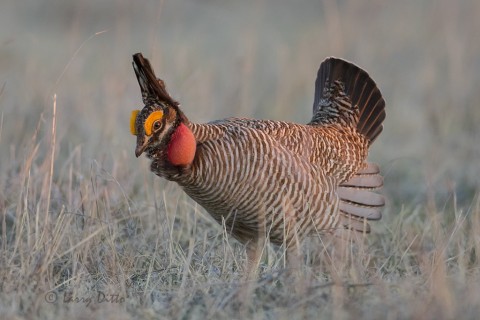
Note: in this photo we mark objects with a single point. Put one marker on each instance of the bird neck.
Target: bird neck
(182, 146)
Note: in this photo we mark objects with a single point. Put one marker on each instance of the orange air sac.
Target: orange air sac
(182, 146)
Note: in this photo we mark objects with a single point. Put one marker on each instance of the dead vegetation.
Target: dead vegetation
(87, 231)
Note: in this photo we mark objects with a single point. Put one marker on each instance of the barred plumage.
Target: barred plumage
(273, 178)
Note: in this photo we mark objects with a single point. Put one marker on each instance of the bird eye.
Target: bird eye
(156, 125)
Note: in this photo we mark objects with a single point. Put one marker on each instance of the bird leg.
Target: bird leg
(254, 254)
(254, 250)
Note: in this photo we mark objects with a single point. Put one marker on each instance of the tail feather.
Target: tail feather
(361, 199)
(358, 201)
(344, 93)
(369, 168)
(370, 122)
(352, 223)
(362, 181)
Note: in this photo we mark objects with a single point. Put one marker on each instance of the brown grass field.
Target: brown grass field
(86, 231)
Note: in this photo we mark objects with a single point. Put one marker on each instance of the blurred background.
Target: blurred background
(251, 59)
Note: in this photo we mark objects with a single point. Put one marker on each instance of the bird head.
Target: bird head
(152, 125)
(160, 127)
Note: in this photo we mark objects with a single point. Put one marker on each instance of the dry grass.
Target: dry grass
(81, 218)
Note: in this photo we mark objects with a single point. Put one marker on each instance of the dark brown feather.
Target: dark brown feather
(151, 87)
(360, 91)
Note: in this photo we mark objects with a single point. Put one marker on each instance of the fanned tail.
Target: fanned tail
(358, 201)
(346, 94)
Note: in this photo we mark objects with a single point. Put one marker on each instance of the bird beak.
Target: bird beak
(142, 144)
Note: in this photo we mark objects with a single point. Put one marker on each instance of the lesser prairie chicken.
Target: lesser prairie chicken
(272, 179)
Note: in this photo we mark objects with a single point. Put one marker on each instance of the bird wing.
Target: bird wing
(250, 172)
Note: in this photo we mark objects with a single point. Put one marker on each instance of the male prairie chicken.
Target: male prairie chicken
(273, 179)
